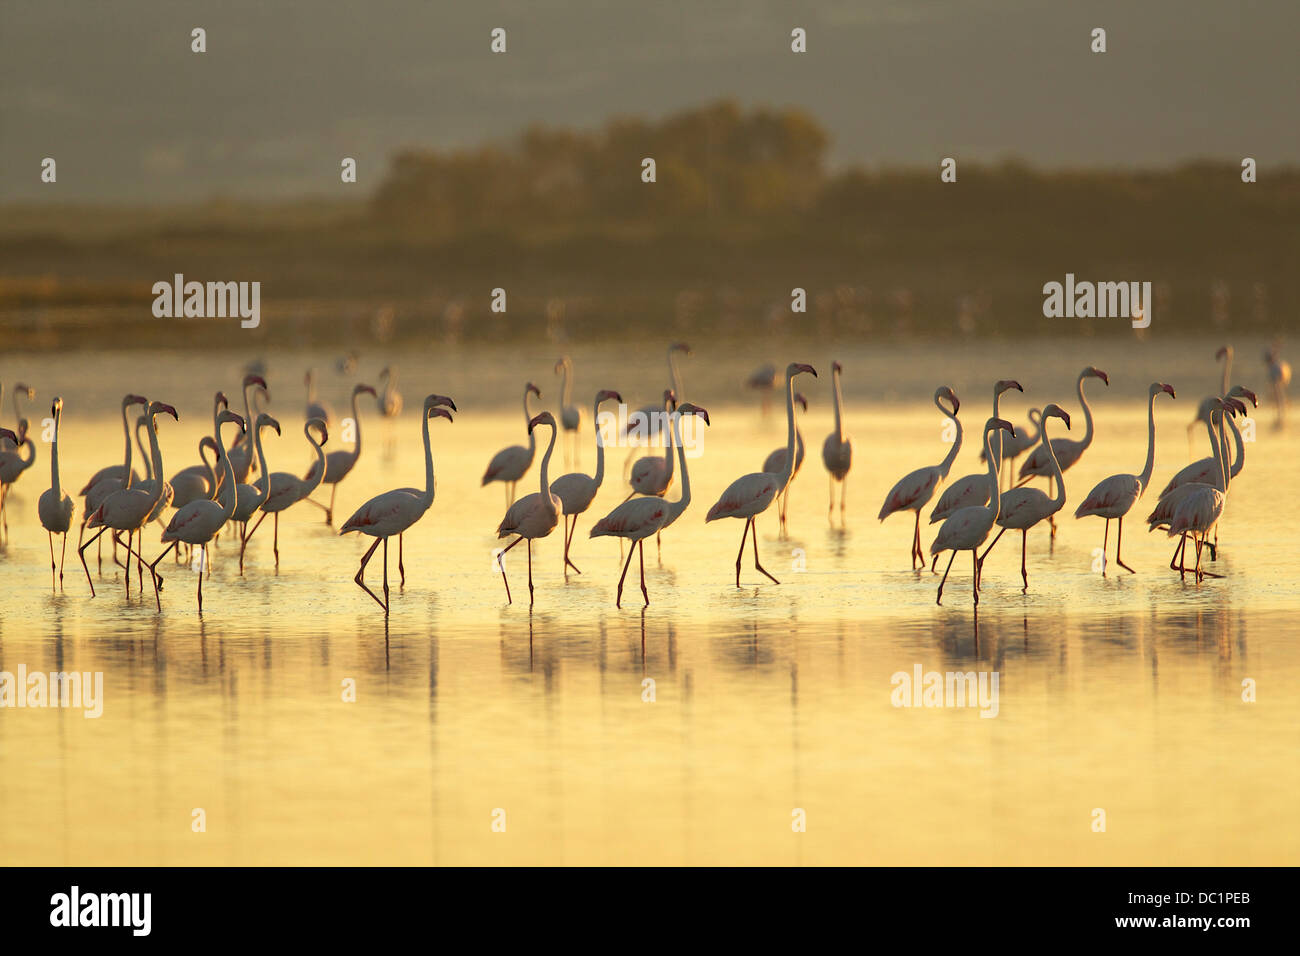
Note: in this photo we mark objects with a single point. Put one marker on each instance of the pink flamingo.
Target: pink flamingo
(394, 512)
(55, 506)
(775, 463)
(198, 522)
(914, 490)
(972, 490)
(339, 464)
(287, 489)
(241, 452)
(200, 481)
(638, 518)
(110, 478)
(129, 509)
(1114, 497)
(532, 516)
(20, 391)
(750, 495)
(1020, 509)
(510, 464)
(1203, 471)
(1066, 451)
(250, 498)
(837, 450)
(1013, 446)
(576, 490)
(390, 403)
(1200, 507)
(967, 529)
(653, 475)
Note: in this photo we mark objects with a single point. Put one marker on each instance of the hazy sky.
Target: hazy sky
(289, 87)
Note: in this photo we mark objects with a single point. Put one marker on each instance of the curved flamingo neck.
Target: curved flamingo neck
(566, 391)
(227, 498)
(356, 423)
(668, 448)
(263, 486)
(839, 405)
(528, 417)
(1241, 449)
(788, 469)
(1144, 479)
(155, 456)
(995, 496)
(318, 473)
(680, 505)
(248, 405)
(946, 465)
(143, 422)
(1216, 442)
(997, 402)
(126, 434)
(427, 500)
(54, 456)
(1087, 412)
(546, 464)
(1046, 442)
(600, 446)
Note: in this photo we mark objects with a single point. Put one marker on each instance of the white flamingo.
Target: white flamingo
(394, 512)
(1200, 507)
(1203, 470)
(750, 495)
(967, 529)
(576, 490)
(241, 452)
(1114, 497)
(250, 498)
(916, 489)
(55, 506)
(200, 481)
(638, 518)
(339, 464)
(532, 516)
(1013, 446)
(837, 450)
(198, 522)
(287, 489)
(510, 464)
(775, 462)
(1019, 509)
(972, 490)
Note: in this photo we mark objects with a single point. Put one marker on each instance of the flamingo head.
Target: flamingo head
(530, 387)
(1235, 406)
(26, 391)
(1223, 350)
(836, 368)
(56, 407)
(803, 402)
(1241, 391)
(1094, 372)
(319, 423)
(251, 380)
(433, 401)
(943, 391)
(130, 400)
(1056, 411)
(689, 408)
(680, 347)
(266, 421)
(220, 401)
(561, 363)
(1007, 383)
(162, 408)
(6, 433)
(795, 368)
(1001, 423)
(440, 412)
(544, 418)
(228, 416)
(1162, 387)
(364, 390)
(670, 397)
(605, 394)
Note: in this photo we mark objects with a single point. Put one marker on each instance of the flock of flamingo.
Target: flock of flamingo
(206, 498)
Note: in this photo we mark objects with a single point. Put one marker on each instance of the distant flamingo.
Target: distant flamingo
(576, 490)
(241, 452)
(250, 498)
(12, 466)
(287, 489)
(638, 518)
(390, 402)
(837, 450)
(1020, 509)
(510, 464)
(198, 522)
(570, 414)
(973, 490)
(20, 391)
(1279, 378)
(750, 495)
(339, 464)
(1067, 451)
(532, 516)
(1203, 410)
(914, 490)
(775, 463)
(129, 509)
(967, 529)
(316, 408)
(763, 381)
(644, 425)
(55, 507)
(394, 512)
(653, 475)
(1114, 497)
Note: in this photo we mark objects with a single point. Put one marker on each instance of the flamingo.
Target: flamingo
(763, 381)
(510, 464)
(1067, 451)
(241, 452)
(653, 475)
(532, 516)
(287, 489)
(1013, 446)
(1114, 497)
(250, 498)
(315, 407)
(570, 414)
(129, 508)
(750, 495)
(390, 403)
(1279, 377)
(198, 522)
(1022, 508)
(55, 506)
(576, 490)
(339, 464)
(775, 463)
(1204, 470)
(1201, 506)
(394, 512)
(973, 489)
(200, 481)
(837, 450)
(12, 466)
(110, 478)
(914, 490)
(967, 529)
(29, 393)
(638, 518)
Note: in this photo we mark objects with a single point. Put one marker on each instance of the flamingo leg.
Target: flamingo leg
(81, 553)
(939, 597)
(157, 578)
(502, 561)
(975, 573)
(572, 528)
(204, 559)
(1199, 542)
(916, 540)
(986, 550)
(62, 557)
(260, 518)
(754, 539)
(644, 593)
(329, 512)
(1119, 543)
(50, 535)
(659, 546)
(1024, 543)
(360, 578)
(1105, 540)
(739, 554)
(618, 601)
(530, 572)
(401, 568)
(275, 541)
(1051, 519)
(385, 540)
(830, 503)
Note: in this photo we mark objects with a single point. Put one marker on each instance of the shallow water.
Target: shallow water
(1121, 692)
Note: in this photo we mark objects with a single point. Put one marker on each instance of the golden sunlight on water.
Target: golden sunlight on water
(1120, 693)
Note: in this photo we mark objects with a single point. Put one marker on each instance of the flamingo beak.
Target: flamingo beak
(537, 420)
(444, 400)
(1223, 350)
(1065, 417)
(1170, 390)
(254, 380)
(809, 369)
(534, 389)
(1101, 375)
(169, 410)
(1005, 425)
(367, 389)
(437, 412)
(836, 367)
(1251, 395)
